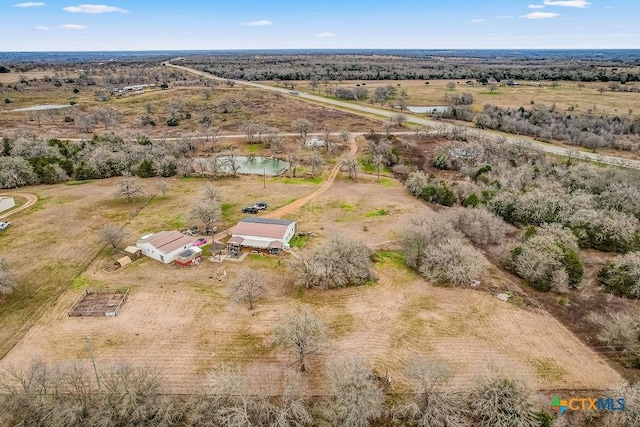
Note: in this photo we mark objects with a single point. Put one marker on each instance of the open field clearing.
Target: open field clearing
(50, 243)
(251, 105)
(579, 96)
(184, 323)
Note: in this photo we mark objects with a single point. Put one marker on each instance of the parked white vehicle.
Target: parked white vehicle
(4, 225)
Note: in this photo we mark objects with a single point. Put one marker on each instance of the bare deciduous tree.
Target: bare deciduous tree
(163, 187)
(129, 186)
(315, 161)
(439, 252)
(7, 280)
(433, 405)
(112, 234)
(398, 119)
(480, 226)
(207, 210)
(620, 332)
(303, 333)
(357, 399)
(340, 262)
(302, 126)
(231, 161)
(248, 287)
(502, 402)
(108, 116)
(351, 164)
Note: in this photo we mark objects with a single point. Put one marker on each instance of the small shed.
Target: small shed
(315, 142)
(133, 252)
(124, 261)
(6, 203)
(190, 256)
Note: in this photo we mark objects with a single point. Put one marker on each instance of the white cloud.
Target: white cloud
(72, 27)
(536, 6)
(93, 9)
(325, 34)
(567, 3)
(260, 23)
(477, 20)
(41, 28)
(540, 15)
(30, 4)
(504, 16)
(620, 35)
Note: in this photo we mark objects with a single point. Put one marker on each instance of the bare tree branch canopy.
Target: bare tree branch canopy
(302, 126)
(231, 161)
(207, 210)
(433, 404)
(248, 287)
(357, 400)
(340, 262)
(438, 252)
(7, 280)
(303, 333)
(163, 187)
(315, 161)
(129, 186)
(112, 234)
(351, 164)
(501, 402)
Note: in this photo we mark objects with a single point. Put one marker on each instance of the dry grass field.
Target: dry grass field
(256, 105)
(565, 95)
(184, 323)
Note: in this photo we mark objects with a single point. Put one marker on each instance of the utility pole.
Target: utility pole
(93, 360)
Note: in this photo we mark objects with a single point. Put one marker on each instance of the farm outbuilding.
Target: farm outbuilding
(264, 234)
(315, 142)
(6, 203)
(190, 256)
(133, 252)
(164, 246)
(124, 261)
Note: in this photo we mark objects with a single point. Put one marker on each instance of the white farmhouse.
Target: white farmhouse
(271, 235)
(164, 246)
(6, 203)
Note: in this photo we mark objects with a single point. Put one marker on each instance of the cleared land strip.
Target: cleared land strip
(548, 148)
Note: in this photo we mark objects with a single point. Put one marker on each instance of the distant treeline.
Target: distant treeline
(374, 67)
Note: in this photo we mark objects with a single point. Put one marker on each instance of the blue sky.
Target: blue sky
(260, 24)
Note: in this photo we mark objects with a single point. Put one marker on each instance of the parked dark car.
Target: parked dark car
(260, 206)
(250, 209)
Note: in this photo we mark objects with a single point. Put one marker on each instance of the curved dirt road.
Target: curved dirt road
(31, 200)
(355, 108)
(294, 206)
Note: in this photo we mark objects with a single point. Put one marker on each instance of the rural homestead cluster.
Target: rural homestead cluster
(389, 238)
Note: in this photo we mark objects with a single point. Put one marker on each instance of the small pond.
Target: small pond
(44, 107)
(256, 165)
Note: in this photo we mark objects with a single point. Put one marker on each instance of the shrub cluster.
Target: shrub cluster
(622, 277)
(547, 258)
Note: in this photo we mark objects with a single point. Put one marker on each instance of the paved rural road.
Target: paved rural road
(548, 148)
(31, 199)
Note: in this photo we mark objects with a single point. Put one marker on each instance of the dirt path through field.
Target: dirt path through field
(294, 206)
(31, 200)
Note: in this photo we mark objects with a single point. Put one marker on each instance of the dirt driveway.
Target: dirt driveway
(31, 200)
